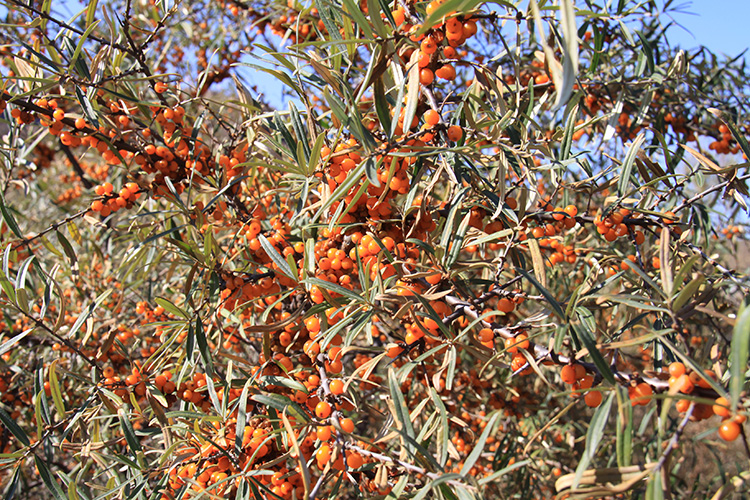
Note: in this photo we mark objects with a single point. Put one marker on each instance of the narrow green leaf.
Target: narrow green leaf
(8, 344)
(402, 411)
(586, 336)
(88, 109)
(443, 431)
(624, 432)
(48, 478)
(333, 287)
(9, 219)
(88, 312)
(171, 308)
(556, 307)
(738, 356)
(241, 417)
(54, 386)
(593, 437)
(276, 257)
(356, 12)
(13, 427)
(200, 338)
(281, 403)
(627, 164)
(478, 446)
(127, 428)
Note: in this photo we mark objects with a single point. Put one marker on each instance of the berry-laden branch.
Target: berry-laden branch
(406, 270)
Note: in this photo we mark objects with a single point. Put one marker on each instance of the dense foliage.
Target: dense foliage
(477, 250)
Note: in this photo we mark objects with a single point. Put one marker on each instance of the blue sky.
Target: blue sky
(720, 25)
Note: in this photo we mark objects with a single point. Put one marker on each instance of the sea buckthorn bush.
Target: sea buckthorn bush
(370, 249)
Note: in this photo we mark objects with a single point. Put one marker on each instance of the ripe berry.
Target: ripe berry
(568, 374)
(729, 430)
(337, 387)
(721, 407)
(323, 410)
(431, 117)
(426, 77)
(354, 460)
(347, 425)
(455, 133)
(593, 399)
(446, 72)
(676, 369)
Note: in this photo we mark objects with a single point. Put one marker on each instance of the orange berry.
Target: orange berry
(323, 454)
(426, 77)
(670, 218)
(446, 72)
(676, 369)
(506, 305)
(455, 133)
(571, 210)
(593, 399)
(354, 460)
(568, 374)
(337, 387)
(347, 425)
(428, 45)
(431, 117)
(729, 430)
(721, 407)
(682, 384)
(486, 335)
(394, 351)
(323, 432)
(323, 410)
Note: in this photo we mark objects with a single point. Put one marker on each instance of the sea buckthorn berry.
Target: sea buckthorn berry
(568, 374)
(394, 351)
(399, 16)
(323, 410)
(506, 305)
(670, 218)
(428, 45)
(571, 210)
(354, 460)
(641, 394)
(721, 407)
(323, 432)
(431, 117)
(593, 399)
(347, 425)
(337, 387)
(681, 384)
(323, 454)
(729, 430)
(446, 72)
(486, 335)
(426, 77)
(455, 133)
(676, 369)
(682, 405)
